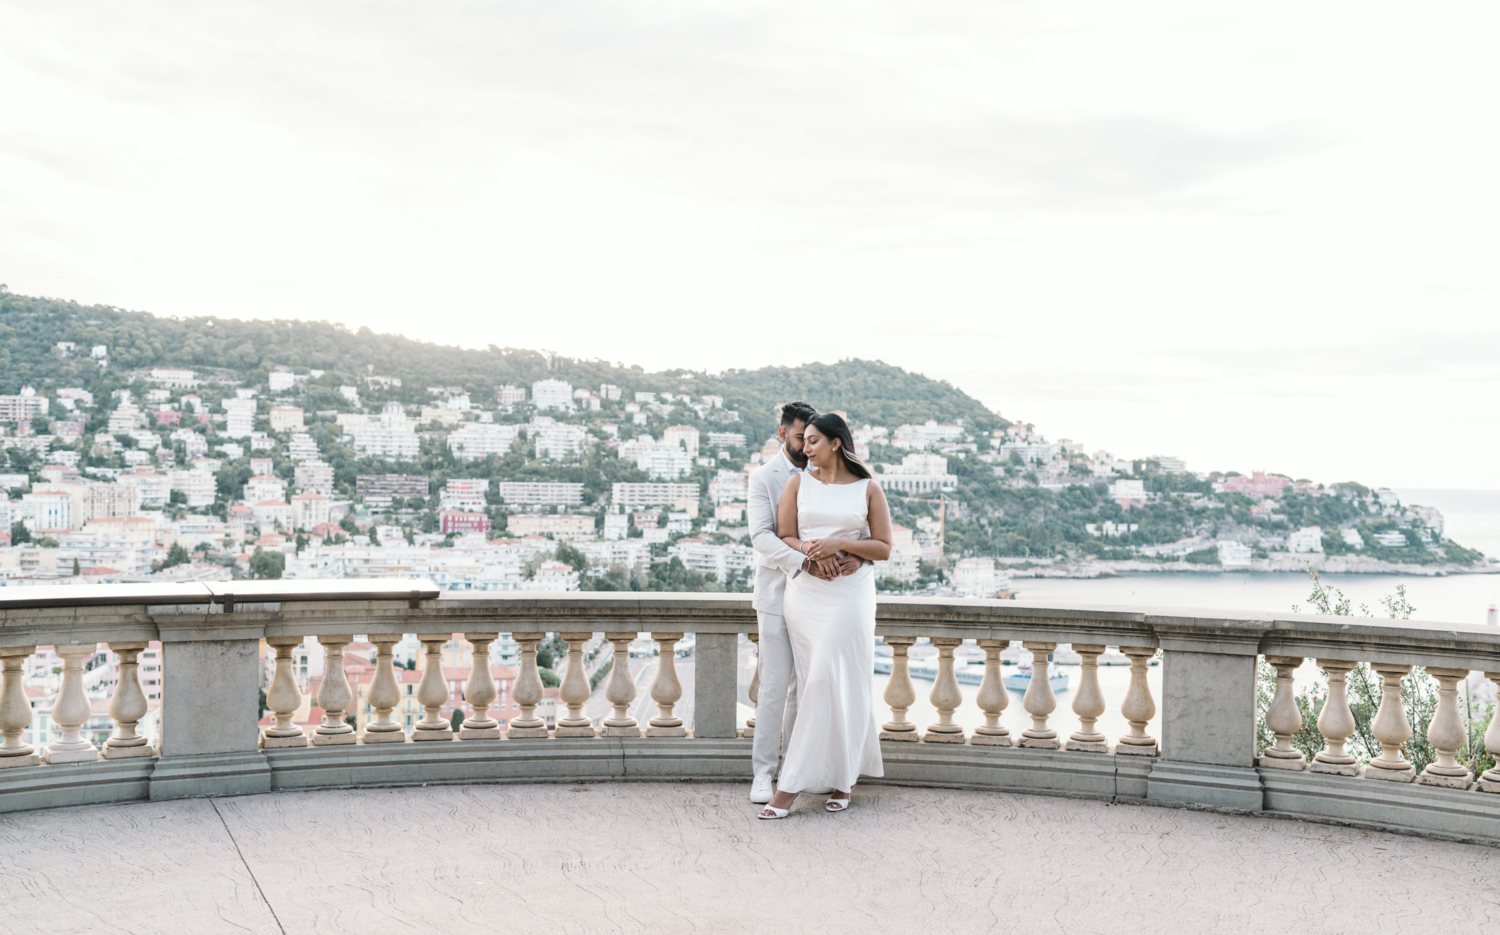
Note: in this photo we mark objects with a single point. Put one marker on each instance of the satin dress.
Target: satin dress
(832, 628)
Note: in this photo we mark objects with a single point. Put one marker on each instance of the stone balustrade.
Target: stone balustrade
(1206, 754)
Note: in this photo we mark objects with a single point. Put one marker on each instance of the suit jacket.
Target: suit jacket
(775, 560)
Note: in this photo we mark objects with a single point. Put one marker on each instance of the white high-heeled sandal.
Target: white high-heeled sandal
(775, 813)
(838, 805)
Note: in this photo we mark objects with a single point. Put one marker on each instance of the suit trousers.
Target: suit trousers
(776, 707)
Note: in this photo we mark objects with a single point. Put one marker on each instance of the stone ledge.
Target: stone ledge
(92, 783)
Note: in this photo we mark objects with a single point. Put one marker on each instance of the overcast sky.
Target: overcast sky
(1257, 237)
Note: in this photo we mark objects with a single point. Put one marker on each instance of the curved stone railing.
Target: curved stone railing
(1206, 755)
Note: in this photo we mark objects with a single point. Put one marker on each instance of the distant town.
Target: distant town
(180, 475)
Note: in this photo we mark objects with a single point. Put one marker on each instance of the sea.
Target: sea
(1471, 517)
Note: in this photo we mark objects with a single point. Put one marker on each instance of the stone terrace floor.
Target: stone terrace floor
(668, 858)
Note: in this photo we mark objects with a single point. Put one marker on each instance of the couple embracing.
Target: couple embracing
(818, 522)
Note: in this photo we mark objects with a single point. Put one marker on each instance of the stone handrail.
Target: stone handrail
(1206, 754)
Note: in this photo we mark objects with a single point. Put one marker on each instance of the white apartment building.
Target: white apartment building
(310, 510)
(272, 516)
(510, 395)
(1392, 539)
(729, 487)
(926, 435)
(1128, 492)
(719, 561)
(125, 547)
(198, 487)
(265, 487)
(905, 561)
(465, 493)
(726, 440)
(632, 554)
(920, 463)
(1352, 538)
(975, 577)
(280, 380)
(1169, 464)
(1030, 452)
(559, 442)
(666, 463)
(557, 525)
(627, 496)
(239, 417)
(616, 525)
(391, 435)
(610, 392)
(155, 489)
(683, 436)
(126, 418)
(476, 440)
(173, 379)
(193, 444)
(1306, 539)
(43, 510)
(551, 576)
(552, 394)
(1234, 554)
(314, 477)
(302, 447)
(23, 407)
(540, 492)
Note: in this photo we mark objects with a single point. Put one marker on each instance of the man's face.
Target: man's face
(791, 442)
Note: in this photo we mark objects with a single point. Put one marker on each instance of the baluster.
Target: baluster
(1489, 780)
(899, 692)
(479, 690)
(128, 706)
(1283, 718)
(1390, 727)
(1446, 734)
(528, 691)
(284, 698)
(749, 731)
(992, 697)
(575, 690)
(945, 696)
(665, 689)
(432, 691)
(385, 693)
(72, 710)
(15, 709)
(1039, 701)
(1335, 723)
(1138, 706)
(620, 691)
(1088, 703)
(334, 695)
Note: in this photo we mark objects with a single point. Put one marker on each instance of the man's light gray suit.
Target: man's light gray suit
(776, 709)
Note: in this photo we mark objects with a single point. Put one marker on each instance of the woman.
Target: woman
(834, 508)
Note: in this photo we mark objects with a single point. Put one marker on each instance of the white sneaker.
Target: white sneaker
(761, 790)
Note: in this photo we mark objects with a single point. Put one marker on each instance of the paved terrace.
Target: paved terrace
(691, 857)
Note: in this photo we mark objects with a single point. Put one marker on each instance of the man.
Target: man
(776, 708)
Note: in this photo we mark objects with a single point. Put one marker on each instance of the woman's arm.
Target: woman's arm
(877, 548)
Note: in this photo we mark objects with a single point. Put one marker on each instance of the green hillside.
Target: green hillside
(30, 328)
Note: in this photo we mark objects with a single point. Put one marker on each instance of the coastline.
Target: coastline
(1277, 564)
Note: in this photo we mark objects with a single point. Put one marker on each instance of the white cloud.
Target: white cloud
(1252, 237)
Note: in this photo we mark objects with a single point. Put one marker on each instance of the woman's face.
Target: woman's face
(821, 451)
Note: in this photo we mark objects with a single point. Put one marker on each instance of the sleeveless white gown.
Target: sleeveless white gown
(832, 627)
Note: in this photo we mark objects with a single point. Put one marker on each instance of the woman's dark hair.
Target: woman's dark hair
(832, 425)
(792, 413)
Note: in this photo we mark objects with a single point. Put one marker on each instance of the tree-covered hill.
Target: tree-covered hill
(30, 329)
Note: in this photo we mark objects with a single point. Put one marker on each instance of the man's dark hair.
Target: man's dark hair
(797, 412)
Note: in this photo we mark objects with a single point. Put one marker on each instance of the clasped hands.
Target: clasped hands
(825, 561)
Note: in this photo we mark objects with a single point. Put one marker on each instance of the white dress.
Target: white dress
(832, 629)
